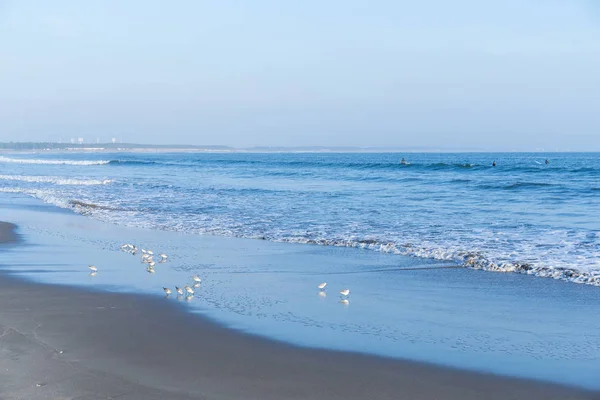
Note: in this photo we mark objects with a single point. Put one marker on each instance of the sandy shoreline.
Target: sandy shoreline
(58, 341)
(7, 233)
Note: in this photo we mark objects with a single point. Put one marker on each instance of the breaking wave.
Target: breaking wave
(55, 180)
(51, 162)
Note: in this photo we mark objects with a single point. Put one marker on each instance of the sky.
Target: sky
(492, 75)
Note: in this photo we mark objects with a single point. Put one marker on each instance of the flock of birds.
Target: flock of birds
(343, 293)
(148, 258)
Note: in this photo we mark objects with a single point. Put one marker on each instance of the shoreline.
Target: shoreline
(8, 233)
(76, 342)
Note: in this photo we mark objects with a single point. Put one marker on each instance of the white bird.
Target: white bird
(196, 278)
(178, 290)
(163, 257)
(322, 285)
(345, 292)
(149, 252)
(196, 285)
(151, 264)
(144, 251)
(189, 290)
(93, 269)
(167, 291)
(150, 270)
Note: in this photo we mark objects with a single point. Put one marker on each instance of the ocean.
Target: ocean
(449, 260)
(522, 216)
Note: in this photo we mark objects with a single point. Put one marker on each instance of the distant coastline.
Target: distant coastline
(52, 147)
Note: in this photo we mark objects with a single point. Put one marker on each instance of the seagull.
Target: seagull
(167, 291)
(345, 292)
(196, 278)
(178, 290)
(322, 285)
(189, 290)
(93, 269)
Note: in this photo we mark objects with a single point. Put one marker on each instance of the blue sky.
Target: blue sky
(496, 75)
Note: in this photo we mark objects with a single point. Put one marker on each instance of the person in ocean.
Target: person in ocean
(494, 164)
(547, 162)
(403, 161)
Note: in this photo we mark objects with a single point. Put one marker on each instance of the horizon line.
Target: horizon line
(10, 145)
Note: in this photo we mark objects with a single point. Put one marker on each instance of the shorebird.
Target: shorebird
(345, 292)
(167, 291)
(163, 257)
(178, 290)
(151, 264)
(93, 268)
(196, 285)
(322, 285)
(196, 278)
(149, 252)
(189, 290)
(150, 270)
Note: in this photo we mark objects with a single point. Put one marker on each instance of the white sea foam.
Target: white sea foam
(580, 269)
(52, 162)
(55, 180)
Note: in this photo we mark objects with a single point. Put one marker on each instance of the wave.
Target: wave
(518, 185)
(480, 260)
(135, 162)
(55, 180)
(51, 162)
(84, 207)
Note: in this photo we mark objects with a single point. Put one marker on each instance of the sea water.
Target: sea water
(522, 216)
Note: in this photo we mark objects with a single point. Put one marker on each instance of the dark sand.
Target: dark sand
(58, 342)
(8, 233)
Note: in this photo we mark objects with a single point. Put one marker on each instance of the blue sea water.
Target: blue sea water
(522, 215)
(359, 221)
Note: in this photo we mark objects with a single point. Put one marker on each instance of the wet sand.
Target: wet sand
(63, 342)
(8, 233)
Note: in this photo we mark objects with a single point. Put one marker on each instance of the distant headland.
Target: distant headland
(139, 147)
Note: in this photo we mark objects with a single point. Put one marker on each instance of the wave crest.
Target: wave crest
(51, 162)
(55, 180)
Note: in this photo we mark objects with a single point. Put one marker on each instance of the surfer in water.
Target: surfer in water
(547, 162)
(494, 164)
(403, 161)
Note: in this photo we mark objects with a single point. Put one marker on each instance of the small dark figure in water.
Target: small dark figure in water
(547, 162)
(494, 164)
(403, 161)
